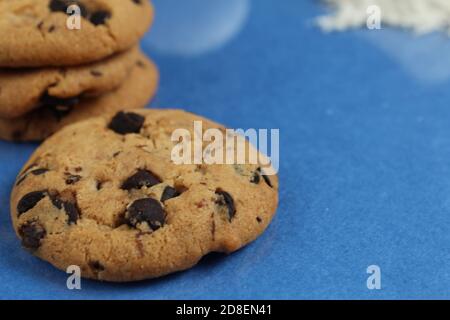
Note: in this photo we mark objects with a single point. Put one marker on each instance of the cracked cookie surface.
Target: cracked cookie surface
(34, 33)
(135, 92)
(104, 194)
(22, 90)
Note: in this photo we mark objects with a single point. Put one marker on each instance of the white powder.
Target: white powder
(420, 16)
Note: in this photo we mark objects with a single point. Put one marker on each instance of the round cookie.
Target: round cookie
(103, 194)
(135, 92)
(35, 33)
(22, 90)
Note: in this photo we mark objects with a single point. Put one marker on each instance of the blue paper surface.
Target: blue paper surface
(364, 119)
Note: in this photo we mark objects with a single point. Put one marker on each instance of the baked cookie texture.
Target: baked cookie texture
(34, 32)
(135, 92)
(22, 90)
(104, 194)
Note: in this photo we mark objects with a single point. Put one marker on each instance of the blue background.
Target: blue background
(364, 119)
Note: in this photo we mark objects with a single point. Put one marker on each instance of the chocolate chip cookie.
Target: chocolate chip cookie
(22, 90)
(104, 194)
(54, 113)
(35, 32)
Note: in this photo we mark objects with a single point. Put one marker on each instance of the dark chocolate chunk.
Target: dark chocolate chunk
(96, 73)
(56, 201)
(48, 100)
(99, 17)
(142, 178)
(265, 177)
(38, 172)
(146, 210)
(63, 5)
(96, 266)
(140, 64)
(259, 219)
(29, 201)
(72, 179)
(59, 107)
(32, 233)
(225, 199)
(35, 172)
(137, 1)
(72, 212)
(267, 180)
(58, 5)
(169, 193)
(71, 209)
(124, 123)
(99, 185)
(255, 178)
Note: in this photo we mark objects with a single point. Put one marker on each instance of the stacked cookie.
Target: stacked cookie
(54, 72)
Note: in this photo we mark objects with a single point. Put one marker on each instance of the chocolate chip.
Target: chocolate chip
(267, 180)
(58, 5)
(72, 179)
(99, 17)
(32, 233)
(59, 107)
(96, 73)
(99, 185)
(72, 212)
(137, 1)
(225, 199)
(49, 100)
(71, 208)
(146, 210)
(142, 178)
(62, 5)
(29, 201)
(35, 172)
(38, 172)
(258, 219)
(140, 64)
(96, 266)
(169, 193)
(255, 178)
(265, 177)
(124, 123)
(51, 29)
(56, 201)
